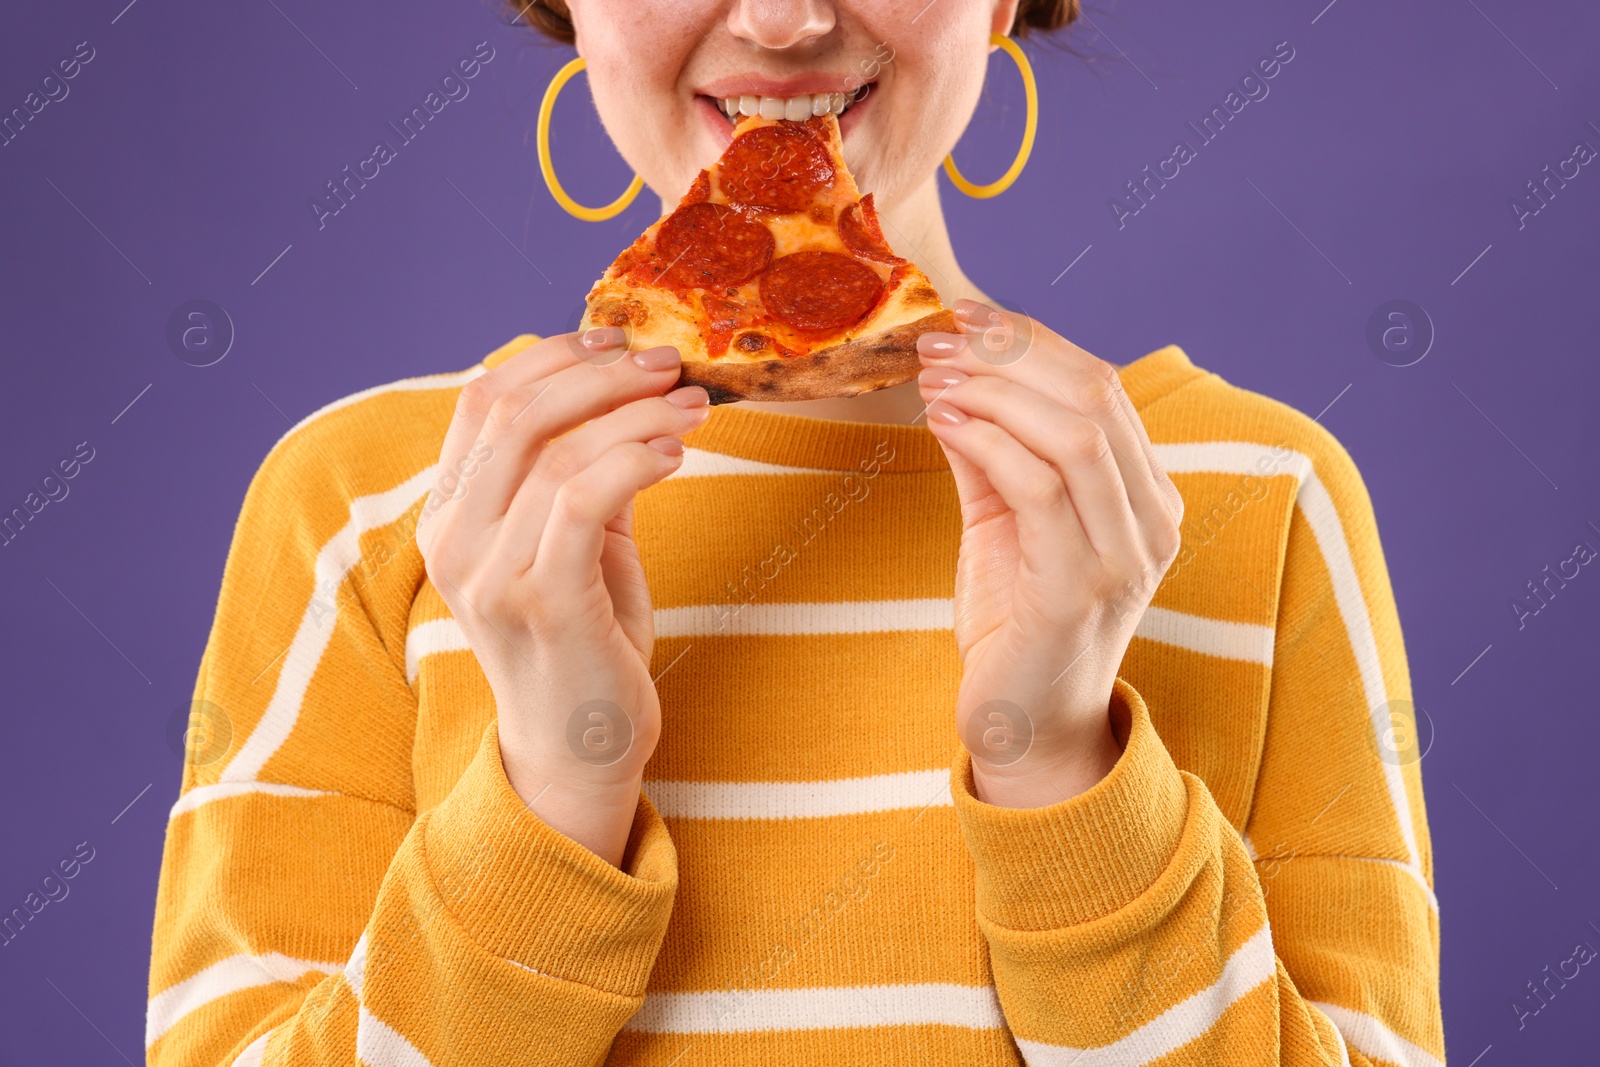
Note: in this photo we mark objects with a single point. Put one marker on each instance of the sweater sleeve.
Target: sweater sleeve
(1132, 923)
(305, 913)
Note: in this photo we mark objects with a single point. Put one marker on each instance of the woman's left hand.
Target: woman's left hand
(1068, 525)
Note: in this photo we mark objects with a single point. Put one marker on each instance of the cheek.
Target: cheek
(930, 95)
(629, 95)
(637, 91)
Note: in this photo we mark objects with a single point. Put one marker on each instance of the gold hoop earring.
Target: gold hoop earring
(587, 214)
(1031, 88)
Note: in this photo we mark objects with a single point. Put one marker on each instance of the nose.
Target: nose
(780, 23)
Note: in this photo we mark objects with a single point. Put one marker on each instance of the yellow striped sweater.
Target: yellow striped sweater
(349, 878)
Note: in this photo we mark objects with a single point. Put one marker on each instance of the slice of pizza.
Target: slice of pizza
(772, 278)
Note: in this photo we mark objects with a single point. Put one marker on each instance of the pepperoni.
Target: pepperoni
(781, 167)
(710, 246)
(819, 290)
(701, 189)
(859, 230)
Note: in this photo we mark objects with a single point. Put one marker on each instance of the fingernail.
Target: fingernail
(945, 376)
(946, 413)
(940, 345)
(973, 310)
(667, 446)
(604, 337)
(690, 396)
(662, 358)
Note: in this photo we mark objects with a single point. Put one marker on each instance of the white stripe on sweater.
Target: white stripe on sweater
(709, 799)
(1323, 518)
(1231, 457)
(355, 972)
(377, 1043)
(831, 1008)
(1212, 637)
(700, 463)
(311, 639)
(380, 1045)
(205, 794)
(800, 800)
(1251, 964)
(1411, 871)
(251, 1056)
(220, 979)
(427, 638)
(1219, 457)
(819, 617)
(1374, 1040)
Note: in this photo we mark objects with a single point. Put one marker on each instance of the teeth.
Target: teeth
(793, 108)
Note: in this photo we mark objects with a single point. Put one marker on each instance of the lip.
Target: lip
(722, 130)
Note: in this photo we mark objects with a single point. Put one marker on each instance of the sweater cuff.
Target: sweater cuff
(532, 895)
(1079, 859)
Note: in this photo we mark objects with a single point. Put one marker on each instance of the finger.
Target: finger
(1053, 542)
(538, 360)
(973, 316)
(1044, 375)
(1152, 488)
(1089, 386)
(625, 580)
(575, 536)
(978, 497)
(522, 528)
(1075, 446)
(1156, 503)
(523, 421)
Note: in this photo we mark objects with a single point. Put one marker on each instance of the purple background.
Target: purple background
(1393, 141)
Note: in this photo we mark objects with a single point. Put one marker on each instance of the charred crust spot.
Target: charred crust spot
(614, 311)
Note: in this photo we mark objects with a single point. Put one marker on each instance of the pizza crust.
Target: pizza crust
(876, 361)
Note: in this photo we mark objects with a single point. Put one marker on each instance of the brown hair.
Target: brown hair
(551, 18)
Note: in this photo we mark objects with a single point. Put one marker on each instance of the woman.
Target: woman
(572, 721)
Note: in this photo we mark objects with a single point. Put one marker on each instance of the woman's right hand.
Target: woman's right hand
(528, 538)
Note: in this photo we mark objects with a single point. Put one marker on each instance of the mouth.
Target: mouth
(793, 108)
(724, 107)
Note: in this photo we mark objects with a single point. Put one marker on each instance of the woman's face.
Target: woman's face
(660, 70)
